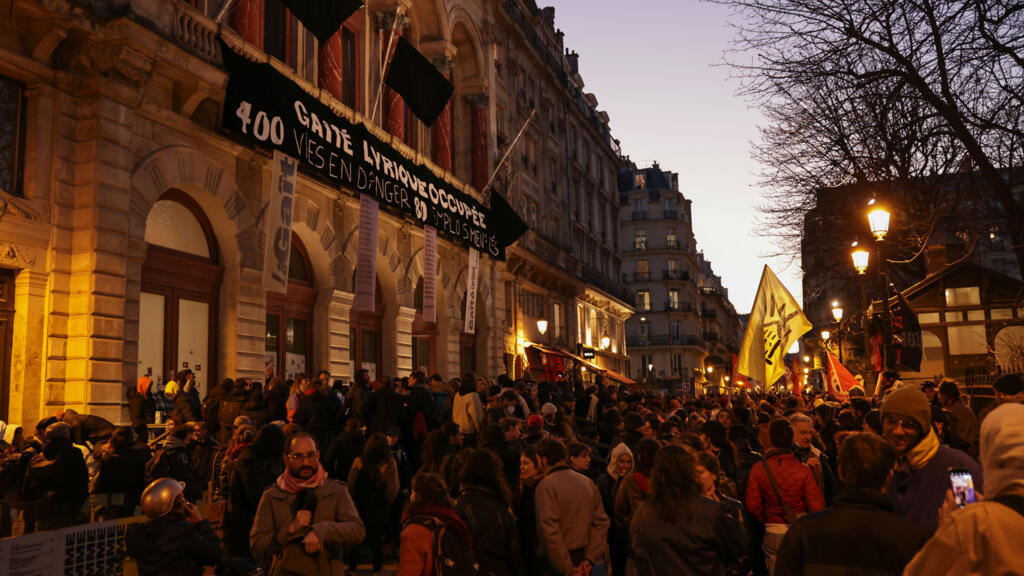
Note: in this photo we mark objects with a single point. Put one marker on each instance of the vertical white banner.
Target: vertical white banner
(366, 259)
(279, 223)
(471, 283)
(429, 274)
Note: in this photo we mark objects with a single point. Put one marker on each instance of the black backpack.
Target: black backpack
(451, 558)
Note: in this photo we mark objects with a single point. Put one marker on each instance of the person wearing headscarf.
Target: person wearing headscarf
(984, 537)
(620, 465)
(141, 404)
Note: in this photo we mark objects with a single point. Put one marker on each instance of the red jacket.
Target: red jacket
(796, 483)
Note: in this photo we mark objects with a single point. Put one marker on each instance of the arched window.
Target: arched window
(181, 279)
(290, 318)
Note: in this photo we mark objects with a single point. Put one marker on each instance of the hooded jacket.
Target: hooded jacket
(984, 538)
(166, 547)
(608, 482)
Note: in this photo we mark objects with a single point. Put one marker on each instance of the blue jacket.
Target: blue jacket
(917, 495)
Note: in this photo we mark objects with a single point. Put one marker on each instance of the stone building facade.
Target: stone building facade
(685, 329)
(132, 226)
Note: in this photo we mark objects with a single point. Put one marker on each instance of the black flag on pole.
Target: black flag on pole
(503, 221)
(425, 90)
(322, 17)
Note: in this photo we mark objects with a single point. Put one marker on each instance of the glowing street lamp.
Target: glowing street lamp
(860, 260)
(825, 334)
(542, 326)
(807, 359)
(711, 369)
(879, 220)
(606, 341)
(837, 311)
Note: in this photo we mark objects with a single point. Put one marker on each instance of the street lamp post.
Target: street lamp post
(878, 218)
(837, 315)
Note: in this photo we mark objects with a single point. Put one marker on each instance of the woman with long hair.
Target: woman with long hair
(677, 531)
(468, 410)
(256, 468)
(373, 484)
(717, 442)
(485, 504)
(530, 474)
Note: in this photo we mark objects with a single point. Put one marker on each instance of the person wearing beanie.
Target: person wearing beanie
(921, 477)
(1009, 388)
(984, 537)
(141, 404)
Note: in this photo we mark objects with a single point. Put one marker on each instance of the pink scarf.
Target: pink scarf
(293, 485)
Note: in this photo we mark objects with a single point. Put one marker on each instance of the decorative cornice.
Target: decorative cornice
(12, 254)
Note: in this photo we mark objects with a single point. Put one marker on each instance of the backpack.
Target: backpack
(451, 558)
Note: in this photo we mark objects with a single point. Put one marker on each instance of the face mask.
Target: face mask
(510, 410)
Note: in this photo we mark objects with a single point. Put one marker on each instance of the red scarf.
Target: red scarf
(238, 449)
(641, 482)
(293, 485)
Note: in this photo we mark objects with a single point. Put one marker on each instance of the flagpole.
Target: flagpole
(508, 152)
(222, 11)
(384, 66)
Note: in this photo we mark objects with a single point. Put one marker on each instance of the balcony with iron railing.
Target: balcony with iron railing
(681, 275)
(665, 340)
(671, 306)
(641, 277)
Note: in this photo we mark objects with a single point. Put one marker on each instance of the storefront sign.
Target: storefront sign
(279, 223)
(472, 279)
(366, 258)
(588, 353)
(429, 274)
(267, 108)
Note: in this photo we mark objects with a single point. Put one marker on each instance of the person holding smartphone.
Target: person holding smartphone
(984, 537)
(176, 540)
(921, 479)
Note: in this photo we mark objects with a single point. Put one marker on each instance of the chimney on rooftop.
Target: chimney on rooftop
(548, 15)
(574, 61)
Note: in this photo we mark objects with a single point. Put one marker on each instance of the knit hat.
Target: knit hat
(909, 401)
(171, 388)
(548, 409)
(535, 421)
(857, 391)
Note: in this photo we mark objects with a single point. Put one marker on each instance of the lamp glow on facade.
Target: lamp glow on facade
(837, 311)
(542, 326)
(879, 220)
(860, 260)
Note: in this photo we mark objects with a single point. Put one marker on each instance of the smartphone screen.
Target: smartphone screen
(963, 486)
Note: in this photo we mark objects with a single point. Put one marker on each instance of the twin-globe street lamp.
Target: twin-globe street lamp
(837, 315)
(878, 219)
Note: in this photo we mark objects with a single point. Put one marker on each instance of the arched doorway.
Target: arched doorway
(424, 336)
(366, 334)
(289, 339)
(181, 279)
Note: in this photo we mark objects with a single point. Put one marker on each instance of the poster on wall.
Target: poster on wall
(267, 108)
(472, 279)
(279, 223)
(294, 364)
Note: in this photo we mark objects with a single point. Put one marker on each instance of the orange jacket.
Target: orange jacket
(416, 555)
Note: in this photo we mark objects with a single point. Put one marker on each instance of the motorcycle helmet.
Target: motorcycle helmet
(159, 497)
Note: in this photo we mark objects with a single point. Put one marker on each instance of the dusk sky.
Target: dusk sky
(651, 64)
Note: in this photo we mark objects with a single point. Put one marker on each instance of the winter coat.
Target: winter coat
(141, 407)
(820, 543)
(172, 461)
(88, 428)
(124, 473)
(632, 491)
(381, 411)
(255, 409)
(188, 404)
(276, 399)
(980, 538)
(335, 522)
(525, 504)
(495, 536)
(707, 542)
(966, 424)
(918, 494)
(251, 474)
(343, 452)
(796, 483)
(201, 456)
(570, 516)
(316, 411)
(58, 477)
(387, 473)
(166, 547)
(468, 412)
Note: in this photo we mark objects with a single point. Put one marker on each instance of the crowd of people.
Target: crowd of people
(509, 478)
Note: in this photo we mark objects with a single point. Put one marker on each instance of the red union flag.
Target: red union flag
(840, 380)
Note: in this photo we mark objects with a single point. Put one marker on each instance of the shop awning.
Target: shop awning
(559, 351)
(621, 379)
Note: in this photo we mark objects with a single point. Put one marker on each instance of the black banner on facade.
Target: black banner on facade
(266, 107)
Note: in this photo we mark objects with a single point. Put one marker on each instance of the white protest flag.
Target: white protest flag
(776, 321)
(279, 223)
(366, 258)
(429, 274)
(472, 280)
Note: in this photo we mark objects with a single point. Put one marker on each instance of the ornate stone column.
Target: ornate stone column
(441, 132)
(478, 139)
(247, 20)
(329, 65)
(392, 105)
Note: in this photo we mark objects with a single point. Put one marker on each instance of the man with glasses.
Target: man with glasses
(921, 478)
(306, 506)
